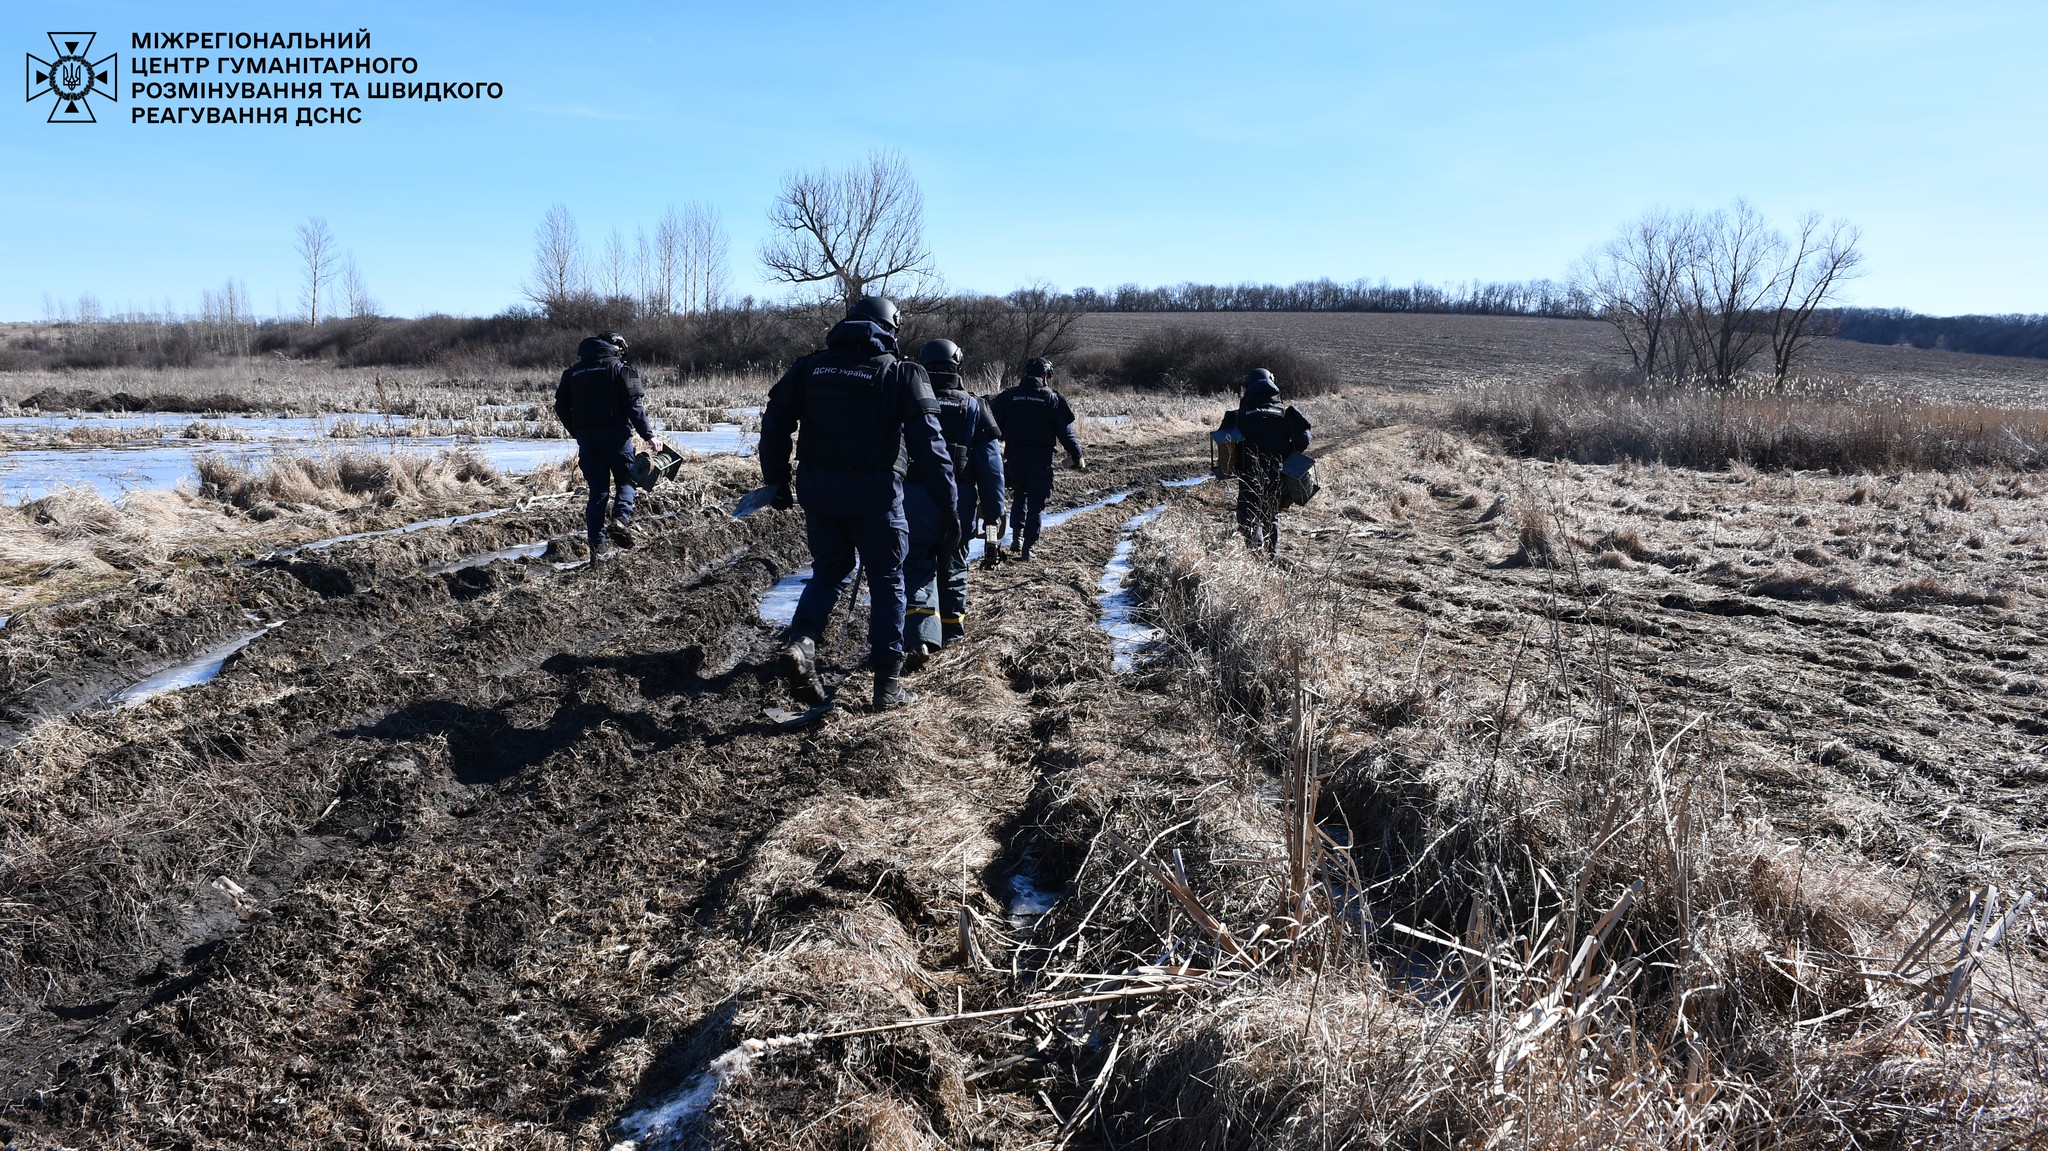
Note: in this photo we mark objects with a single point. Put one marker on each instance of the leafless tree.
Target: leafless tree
(558, 274)
(1814, 268)
(1636, 281)
(612, 267)
(1730, 285)
(644, 291)
(1046, 319)
(668, 262)
(706, 249)
(357, 293)
(853, 231)
(316, 253)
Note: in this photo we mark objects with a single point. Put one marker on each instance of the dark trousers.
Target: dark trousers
(879, 539)
(937, 582)
(605, 456)
(1031, 486)
(1259, 498)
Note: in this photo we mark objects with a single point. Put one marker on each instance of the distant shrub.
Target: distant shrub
(1183, 358)
(1608, 418)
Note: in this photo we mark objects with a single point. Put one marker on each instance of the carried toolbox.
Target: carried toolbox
(1298, 478)
(650, 468)
(1224, 445)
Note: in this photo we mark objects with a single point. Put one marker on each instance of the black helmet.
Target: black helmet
(941, 355)
(1039, 367)
(1260, 387)
(1259, 375)
(874, 309)
(613, 338)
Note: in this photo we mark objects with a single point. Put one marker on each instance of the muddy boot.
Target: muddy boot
(952, 632)
(619, 534)
(799, 666)
(889, 693)
(918, 655)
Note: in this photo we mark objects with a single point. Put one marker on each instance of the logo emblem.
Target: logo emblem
(72, 77)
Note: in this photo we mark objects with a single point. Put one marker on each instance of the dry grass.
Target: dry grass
(1590, 420)
(1558, 926)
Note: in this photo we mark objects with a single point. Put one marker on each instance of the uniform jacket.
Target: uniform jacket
(1034, 419)
(973, 441)
(601, 391)
(865, 416)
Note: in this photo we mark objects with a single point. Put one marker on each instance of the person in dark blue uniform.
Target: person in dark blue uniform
(601, 402)
(863, 415)
(936, 576)
(1271, 434)
(1034, 420)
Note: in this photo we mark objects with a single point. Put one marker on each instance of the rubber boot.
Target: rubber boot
(799, 667)
(619, 533)
(889, 693)
(950, 632)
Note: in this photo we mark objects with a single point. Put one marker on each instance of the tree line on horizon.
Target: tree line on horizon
(1691, 295)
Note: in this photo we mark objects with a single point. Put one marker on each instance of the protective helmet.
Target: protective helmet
(613, 338)
(1260, 387)
(1259, 375)
(874, 309)
(941, 355)
(1039, 367)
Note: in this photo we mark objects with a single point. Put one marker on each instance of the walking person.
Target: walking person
(601, 401)
(859, 415)
(935, 574)
(1271, 434)
(1034, 420)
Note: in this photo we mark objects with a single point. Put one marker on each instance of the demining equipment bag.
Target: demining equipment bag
(1298, 478)
(1224, 445)
(650, 468)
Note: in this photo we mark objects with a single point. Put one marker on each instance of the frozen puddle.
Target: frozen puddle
(515, 552)
(778, 603)
(1190, 482)
(1029, 902)
(1128, 638)
(201, 668)
(662, 1124)
(419, 526)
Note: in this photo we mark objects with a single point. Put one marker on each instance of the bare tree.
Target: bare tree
(558, 274)
(357, 294)
(852, 232)
(316, 252)
(1817, 262)
(612, 267)
(1733, 277)
(1046, 320)
(668, 261)
(1636, 282)
(706, 250)
(643, 273)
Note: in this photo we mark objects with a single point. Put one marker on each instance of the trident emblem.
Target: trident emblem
(72, 77)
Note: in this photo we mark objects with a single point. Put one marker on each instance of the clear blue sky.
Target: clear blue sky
(1078, 143)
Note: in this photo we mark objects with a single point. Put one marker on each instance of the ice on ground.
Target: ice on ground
(1190, 482)
(663, 1123)
(34, 473)
(1128, 638)
(778, 603)
(201, 668)
(515, 552)
(1028, 901)
(406, 529)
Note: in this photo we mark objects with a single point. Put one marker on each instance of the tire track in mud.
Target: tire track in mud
(488, 809)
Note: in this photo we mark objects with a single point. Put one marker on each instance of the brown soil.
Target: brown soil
(521, 856)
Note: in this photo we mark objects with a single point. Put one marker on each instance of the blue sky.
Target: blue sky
(1075, 143)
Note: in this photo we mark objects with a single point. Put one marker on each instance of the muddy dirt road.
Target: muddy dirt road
(508, 856)
(479, 836)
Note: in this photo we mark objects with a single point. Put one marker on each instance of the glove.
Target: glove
(949, 533)
(1080, 463)
(784, 498)
(654, 446)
